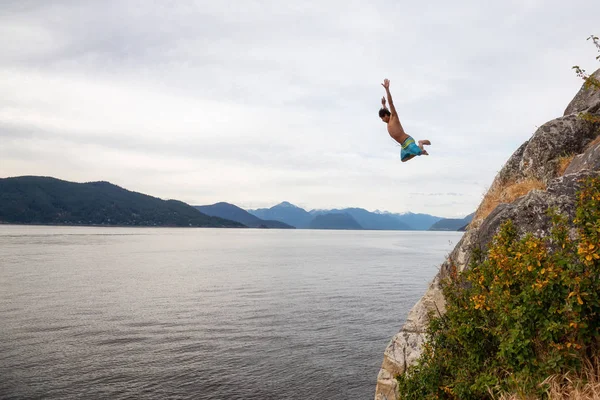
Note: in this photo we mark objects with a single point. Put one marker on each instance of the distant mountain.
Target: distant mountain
(370, 220)
(234, 213)
(300, 218)
(419, 222)
(451, 224)
(334, 221)
(285, 212)
(44, 200)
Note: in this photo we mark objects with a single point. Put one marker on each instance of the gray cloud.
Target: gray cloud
(261, 101)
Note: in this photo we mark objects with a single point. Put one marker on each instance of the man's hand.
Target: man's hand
(383, 102)
(386, 85)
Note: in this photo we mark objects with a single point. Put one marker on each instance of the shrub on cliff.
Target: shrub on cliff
(590, 81)
(528, 310)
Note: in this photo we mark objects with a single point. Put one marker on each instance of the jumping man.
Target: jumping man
(409, 148)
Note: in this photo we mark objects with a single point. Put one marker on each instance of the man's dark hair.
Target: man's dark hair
(383, 112)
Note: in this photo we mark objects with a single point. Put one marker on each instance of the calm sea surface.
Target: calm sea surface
(136, 313)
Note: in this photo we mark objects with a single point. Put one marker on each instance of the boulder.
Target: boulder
(587, 99)
(560, 137)
(590, 160)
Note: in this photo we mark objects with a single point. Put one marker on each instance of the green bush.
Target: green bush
(530, 309)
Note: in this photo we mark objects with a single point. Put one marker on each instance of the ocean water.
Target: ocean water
(145, 313)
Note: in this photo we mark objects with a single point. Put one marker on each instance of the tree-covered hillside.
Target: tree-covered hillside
(45, 200)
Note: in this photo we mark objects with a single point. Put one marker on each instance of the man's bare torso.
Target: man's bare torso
(395, 129)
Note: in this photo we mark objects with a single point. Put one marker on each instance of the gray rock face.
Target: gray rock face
(536, 158)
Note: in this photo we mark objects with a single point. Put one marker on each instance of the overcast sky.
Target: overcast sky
(257, 102)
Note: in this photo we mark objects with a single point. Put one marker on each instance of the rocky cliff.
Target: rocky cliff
(544, 172)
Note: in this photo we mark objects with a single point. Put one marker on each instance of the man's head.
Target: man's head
(384, 114)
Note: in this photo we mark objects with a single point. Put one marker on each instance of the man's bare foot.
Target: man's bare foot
(424, 143)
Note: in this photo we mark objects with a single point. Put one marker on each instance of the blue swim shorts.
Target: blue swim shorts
(409, 148)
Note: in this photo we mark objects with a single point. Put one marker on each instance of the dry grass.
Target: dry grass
(490, 201)
(506, 194)
(582, 386)
(569, 386)
(515, 397)
(562, 163)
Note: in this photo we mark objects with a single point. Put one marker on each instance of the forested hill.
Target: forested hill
(45, 200)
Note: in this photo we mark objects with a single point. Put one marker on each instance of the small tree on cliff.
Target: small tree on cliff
(590, 81)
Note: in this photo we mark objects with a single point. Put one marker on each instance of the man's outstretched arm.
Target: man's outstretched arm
(386, 85)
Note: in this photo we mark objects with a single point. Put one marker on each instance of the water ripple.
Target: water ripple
(203, 314)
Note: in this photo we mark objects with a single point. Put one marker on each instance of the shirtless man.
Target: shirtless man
(409, 148)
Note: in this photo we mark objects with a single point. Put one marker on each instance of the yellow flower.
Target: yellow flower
(448, 390)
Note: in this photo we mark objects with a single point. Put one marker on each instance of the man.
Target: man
(409, 148)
